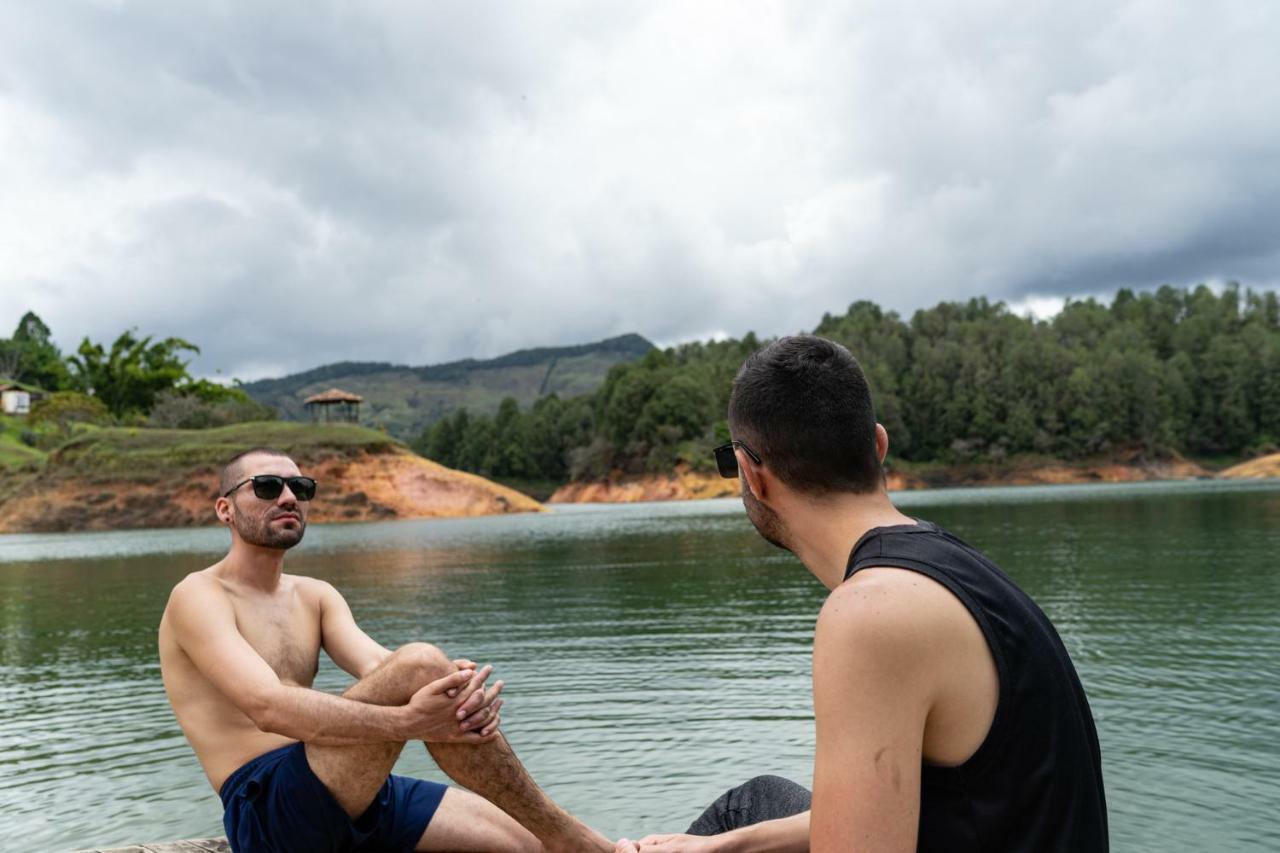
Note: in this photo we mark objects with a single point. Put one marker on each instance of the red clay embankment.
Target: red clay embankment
(684, 484)
(130, 479)
(1261, 468)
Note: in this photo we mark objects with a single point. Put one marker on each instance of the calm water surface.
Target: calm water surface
(656, 654)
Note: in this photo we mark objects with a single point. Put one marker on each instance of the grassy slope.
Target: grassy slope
(406, 399)
(123, 478)
(18, 461)
(148, 455)
(16, 455)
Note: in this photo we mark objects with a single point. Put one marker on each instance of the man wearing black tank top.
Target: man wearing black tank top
(949, 716)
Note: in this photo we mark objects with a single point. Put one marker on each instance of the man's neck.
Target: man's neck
(253, 565)
(824, 534)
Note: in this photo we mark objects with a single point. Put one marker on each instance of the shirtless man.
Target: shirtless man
(302, 770)
(949, 715)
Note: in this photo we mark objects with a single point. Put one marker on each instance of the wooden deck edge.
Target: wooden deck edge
(199, 845)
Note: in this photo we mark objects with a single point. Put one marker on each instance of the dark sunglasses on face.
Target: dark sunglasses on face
(268, 487)
(727, 460)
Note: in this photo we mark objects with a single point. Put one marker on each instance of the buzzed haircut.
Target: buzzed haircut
(231, 471)
(803, 404)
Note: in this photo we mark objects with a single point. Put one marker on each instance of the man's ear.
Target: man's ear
(882, 443)
(222, 508)
(753, 476)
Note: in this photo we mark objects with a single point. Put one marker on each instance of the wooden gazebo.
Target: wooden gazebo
(334, 405)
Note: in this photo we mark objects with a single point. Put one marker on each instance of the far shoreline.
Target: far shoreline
(686, 484)
(70, 502)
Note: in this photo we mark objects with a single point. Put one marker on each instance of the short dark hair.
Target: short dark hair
(231, 474)
(803, 404)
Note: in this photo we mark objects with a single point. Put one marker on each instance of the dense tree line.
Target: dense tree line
(1174, 370)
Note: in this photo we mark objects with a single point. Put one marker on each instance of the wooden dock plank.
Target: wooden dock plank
(198, 845)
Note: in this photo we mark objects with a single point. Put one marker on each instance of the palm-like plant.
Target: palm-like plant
(128, 377)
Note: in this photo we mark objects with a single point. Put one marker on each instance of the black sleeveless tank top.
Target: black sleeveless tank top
(1035, 783)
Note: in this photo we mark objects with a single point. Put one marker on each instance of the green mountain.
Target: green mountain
(407, 399)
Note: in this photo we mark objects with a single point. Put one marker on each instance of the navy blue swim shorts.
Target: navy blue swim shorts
(275, 804)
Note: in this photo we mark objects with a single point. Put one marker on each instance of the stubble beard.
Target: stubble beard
(766, 521)
(258, 531)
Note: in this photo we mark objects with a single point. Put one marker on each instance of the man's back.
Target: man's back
(282, 626)
(1035, 783)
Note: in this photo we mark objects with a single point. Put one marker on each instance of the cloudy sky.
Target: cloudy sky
(288, 184)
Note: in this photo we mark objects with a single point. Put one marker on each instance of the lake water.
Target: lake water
(656, 654)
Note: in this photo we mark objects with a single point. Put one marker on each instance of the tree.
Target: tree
(128, 377)
(64, 408)
(30, 356)
(203, 405)
(1188, 370)
(509, 455)
(10, 359)
(442, 441)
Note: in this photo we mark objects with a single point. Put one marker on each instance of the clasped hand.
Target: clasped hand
(672, 843)
(456, 708)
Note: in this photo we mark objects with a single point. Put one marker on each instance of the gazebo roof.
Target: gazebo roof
(333, 395)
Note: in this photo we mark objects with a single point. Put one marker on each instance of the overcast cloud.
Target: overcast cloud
(289, 184)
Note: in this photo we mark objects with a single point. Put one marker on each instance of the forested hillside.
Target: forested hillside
(1172, 371)
(406, 399)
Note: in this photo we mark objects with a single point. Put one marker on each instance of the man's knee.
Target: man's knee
(421, 662)
(771, 795)
(758, 799)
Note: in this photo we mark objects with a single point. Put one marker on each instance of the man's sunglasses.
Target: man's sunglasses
(268, 487)
(727, 460)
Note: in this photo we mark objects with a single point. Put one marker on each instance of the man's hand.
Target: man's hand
(479, 710)
(456, 708)
(461, 663)
(669, 844)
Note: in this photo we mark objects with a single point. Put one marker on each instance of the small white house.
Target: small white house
(15, 401)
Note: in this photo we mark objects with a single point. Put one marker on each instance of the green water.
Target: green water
(656, 654)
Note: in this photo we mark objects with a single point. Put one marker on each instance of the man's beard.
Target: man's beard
(766, 521)
(258, 531)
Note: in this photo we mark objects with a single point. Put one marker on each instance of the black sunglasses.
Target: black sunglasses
(268, 487)
(727, 460)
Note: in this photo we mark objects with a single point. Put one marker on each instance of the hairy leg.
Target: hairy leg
(493, 771)
(355, 773)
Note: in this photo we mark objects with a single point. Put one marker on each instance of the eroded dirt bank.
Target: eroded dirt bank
(1255, 469)
(353, 486)
(688, 485)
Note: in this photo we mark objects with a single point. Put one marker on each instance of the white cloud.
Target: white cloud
(1038, 307)
(301, 183)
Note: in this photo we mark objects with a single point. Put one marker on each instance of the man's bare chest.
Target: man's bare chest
(285, 634)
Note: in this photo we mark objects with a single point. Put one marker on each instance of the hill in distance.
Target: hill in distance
(406, 399)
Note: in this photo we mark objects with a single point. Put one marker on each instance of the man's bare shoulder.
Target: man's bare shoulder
(313, 589)
(888, 591)
(194, 586)
(893, 612)
(873, 606)
(192, 601)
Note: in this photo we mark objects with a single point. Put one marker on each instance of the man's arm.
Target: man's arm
(872, 689)
(343, 640)
(356, 652)
(204, 627)
(784, 835)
